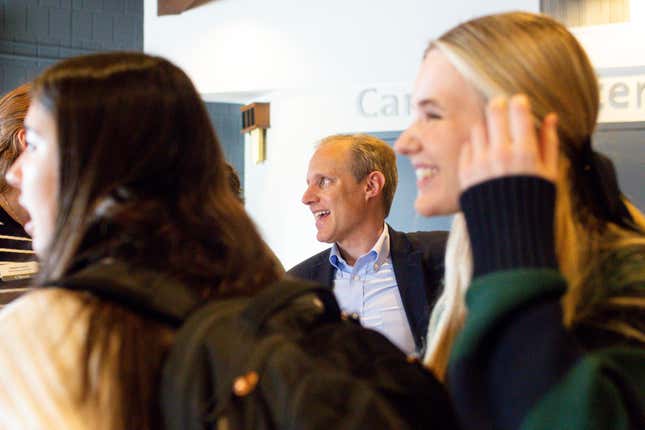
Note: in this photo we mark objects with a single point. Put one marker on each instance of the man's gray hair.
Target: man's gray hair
(370, 154)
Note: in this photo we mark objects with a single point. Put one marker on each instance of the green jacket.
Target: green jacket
(515, 365)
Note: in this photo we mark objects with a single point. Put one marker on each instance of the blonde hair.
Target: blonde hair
(545, 62)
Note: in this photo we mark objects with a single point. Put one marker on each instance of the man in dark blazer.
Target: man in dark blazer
(388, 278)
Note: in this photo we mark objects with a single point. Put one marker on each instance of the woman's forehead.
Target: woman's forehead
(439, 83)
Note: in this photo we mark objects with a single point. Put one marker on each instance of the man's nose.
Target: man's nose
(308, 197)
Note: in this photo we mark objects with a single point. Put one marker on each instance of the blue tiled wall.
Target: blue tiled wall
(36, 33)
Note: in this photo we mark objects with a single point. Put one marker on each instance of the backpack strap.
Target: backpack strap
(280, 294)
(200, 366)
(150, 293)
(163, 297)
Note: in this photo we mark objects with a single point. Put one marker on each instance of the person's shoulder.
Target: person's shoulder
(304, 268)
(43, 334)
(39, 296)
(434, 241)
(611, 377)
(425, 236)
(43, 309)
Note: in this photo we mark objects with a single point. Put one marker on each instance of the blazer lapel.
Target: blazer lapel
(323, 272)
(408, 270)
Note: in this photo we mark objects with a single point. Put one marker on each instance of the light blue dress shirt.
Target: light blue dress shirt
(369, 289)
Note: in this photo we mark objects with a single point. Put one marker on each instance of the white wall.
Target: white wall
(311, 60)
(618, 53)
(616, 45)
(246, 45)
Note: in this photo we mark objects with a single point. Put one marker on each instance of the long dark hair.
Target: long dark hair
(143, 179)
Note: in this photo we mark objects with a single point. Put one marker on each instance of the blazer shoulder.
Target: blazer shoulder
(428, 240)
(433, 242)
(305, 268)
(431, 246)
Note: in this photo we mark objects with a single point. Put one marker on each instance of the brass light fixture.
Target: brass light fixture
(255, 121)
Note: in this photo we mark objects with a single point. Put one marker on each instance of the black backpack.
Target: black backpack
(286, 358)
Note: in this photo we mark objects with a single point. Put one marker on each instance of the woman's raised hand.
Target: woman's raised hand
(508, 144)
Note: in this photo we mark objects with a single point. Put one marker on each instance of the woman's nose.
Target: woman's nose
(407, 143)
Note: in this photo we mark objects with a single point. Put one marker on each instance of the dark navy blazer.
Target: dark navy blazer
(418, 267)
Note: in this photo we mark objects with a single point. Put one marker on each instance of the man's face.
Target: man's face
(337, 201)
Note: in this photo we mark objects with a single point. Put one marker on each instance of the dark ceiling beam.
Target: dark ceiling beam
(174, 7)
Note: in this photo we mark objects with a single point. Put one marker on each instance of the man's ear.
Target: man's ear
(374, 184)
(21, 138)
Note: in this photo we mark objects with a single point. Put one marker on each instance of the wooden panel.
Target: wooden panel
(255, 115)
(174, 7)
(576, 13)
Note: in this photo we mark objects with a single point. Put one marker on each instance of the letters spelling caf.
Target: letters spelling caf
(372, 104)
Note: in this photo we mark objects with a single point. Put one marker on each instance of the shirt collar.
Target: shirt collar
(379, 253)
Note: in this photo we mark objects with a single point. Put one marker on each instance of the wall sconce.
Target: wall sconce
(255, 121)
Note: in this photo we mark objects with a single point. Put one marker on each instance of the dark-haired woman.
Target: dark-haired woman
(121, 168)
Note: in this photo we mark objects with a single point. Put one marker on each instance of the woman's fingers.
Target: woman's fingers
(549, 144)
(508, 144)
(522, 126)
(497, 123)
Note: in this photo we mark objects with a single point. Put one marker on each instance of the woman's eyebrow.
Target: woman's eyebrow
(429, 102)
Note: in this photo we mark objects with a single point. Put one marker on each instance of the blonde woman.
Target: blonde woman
(541, 323)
